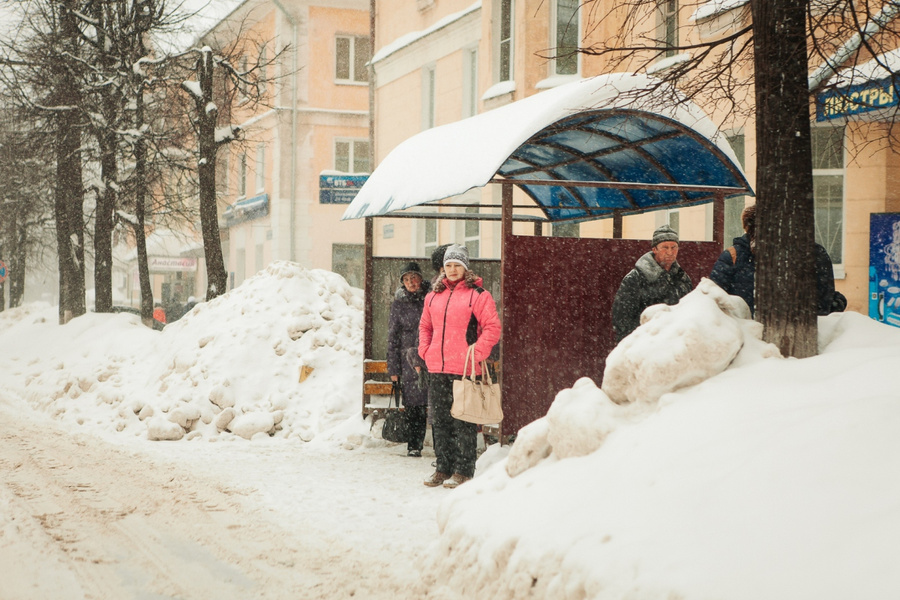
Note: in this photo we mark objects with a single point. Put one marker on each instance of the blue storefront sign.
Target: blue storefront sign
(339, 189)
(856, 99)
(884, 268)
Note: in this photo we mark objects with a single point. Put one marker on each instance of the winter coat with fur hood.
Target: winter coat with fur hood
(645, 285)
(455, 316)
(403, 343)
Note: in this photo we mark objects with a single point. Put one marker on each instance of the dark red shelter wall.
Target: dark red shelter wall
(557, 299)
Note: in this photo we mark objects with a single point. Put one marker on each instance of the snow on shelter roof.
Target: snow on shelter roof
(610, 129)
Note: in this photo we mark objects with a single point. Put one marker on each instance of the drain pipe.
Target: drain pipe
(292, 254)
(843, 54)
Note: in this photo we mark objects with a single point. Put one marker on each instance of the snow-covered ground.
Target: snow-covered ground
(194, 463)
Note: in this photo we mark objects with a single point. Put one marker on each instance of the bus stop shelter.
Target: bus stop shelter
(603, 147)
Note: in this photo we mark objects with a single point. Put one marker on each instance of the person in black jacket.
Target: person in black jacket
(735, 270)
(656, 278)
(402, 358)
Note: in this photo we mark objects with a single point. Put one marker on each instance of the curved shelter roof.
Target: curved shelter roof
(581, 151)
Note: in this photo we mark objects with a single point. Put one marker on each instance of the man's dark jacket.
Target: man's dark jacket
(645, 285)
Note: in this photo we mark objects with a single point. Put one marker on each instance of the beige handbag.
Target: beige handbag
(476, 400)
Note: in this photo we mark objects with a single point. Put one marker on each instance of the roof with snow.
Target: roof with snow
(585, 150)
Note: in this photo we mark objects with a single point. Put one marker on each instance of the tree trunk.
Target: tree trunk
(209, 215)
(103, 224)
(16, 268)
(68, 205)
(140, 197)
(785, 277)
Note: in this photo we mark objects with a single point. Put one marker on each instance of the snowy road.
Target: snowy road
(86, 519)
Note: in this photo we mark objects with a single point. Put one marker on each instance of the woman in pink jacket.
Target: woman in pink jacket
(457, 313)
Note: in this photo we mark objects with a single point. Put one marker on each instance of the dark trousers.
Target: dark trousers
(454, 440)
(416, 418)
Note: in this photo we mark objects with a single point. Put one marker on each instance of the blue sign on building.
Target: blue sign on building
(856, 99)
(338, 188)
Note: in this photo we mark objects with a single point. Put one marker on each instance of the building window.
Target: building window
(566, 28)
(828, 189)
(470, 82)
(431, 236)
(668, 25)
(472, 238)
(222, 172)
(260, 168)
(351, 156)
(428, 97)
(242, 180)
(261, 77)
(503, 48)
(351, 59)
(735, 206)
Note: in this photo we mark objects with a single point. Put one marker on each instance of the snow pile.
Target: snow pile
(231, 366)
(774, 466)
(679, 346)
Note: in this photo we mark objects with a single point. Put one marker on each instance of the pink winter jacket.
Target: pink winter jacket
(445, 321)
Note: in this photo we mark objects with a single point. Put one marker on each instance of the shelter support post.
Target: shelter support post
(538, 229)
(368, 284)
(719, 219)
(617, 225)
(507, 232)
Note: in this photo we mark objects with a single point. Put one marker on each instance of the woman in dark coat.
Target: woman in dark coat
(402, 356)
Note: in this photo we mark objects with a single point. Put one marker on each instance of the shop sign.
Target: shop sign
(339, 189)
(164, 263)
(856, 99)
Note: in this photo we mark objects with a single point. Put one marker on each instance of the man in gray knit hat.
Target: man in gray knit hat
(656, 278)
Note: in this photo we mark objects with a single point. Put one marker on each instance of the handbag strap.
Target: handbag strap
(470, 355)
(395, 393)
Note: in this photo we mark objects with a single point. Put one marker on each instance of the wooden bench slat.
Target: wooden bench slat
(377, 388)
(374, 366)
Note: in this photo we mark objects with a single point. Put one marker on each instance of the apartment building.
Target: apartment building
(283, 187)
(438, 61)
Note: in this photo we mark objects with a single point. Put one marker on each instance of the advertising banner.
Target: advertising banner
(884, 268)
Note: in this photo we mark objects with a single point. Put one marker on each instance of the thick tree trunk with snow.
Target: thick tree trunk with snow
(69, 201)
(785, 277)
(209, 215)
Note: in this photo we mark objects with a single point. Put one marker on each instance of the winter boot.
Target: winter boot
(456, 481)
(436, 479)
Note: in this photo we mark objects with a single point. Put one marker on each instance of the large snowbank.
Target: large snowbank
(768, 478)
(229, 367)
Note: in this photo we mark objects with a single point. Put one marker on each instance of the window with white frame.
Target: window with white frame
(242, 176)
(565, 30)
(735, 206)
(261, 77)
(223, 172)
(260, 167)
(472, 237)
(828, 189)
(242, 97)
(430, 238)
(470, 82)
(503, 41)
(351, 58)
(428, 97)
(668, 25)
(351, 156)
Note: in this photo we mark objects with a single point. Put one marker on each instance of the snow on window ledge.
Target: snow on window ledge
(499, 89)
(716, 8)
(556, 80)
(668, 62)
